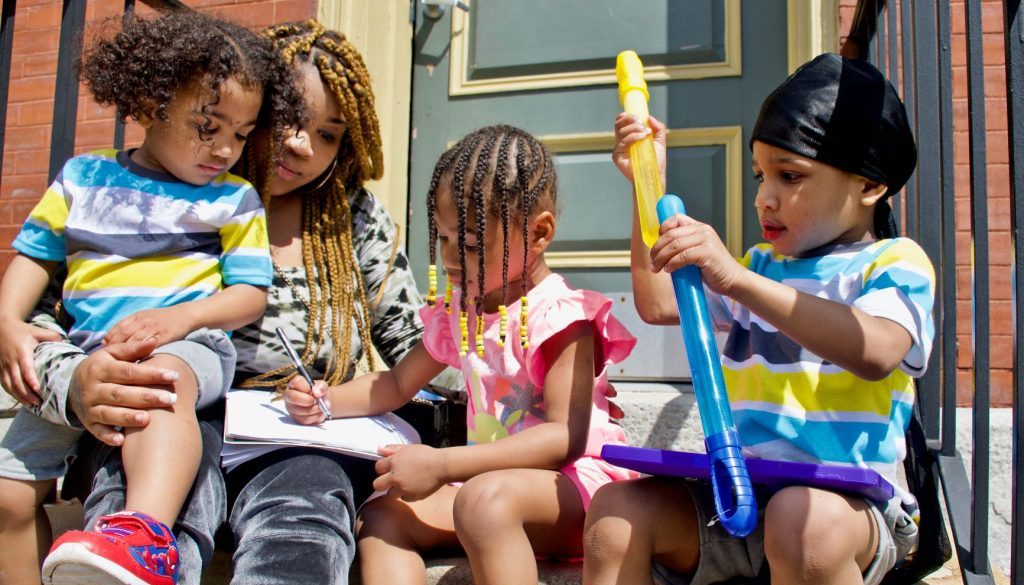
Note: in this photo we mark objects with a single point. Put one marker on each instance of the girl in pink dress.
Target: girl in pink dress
(534, 353)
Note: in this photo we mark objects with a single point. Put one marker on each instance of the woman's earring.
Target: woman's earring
(327, 175)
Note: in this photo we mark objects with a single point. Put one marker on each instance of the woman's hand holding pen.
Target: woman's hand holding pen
(411, 472)
(300, 401)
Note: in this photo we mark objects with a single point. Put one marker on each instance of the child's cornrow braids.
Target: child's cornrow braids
(540, 160)
(440, 169)
(480, 171)
(336, 288)
(520, 179)
(458, 193)
(504, 196)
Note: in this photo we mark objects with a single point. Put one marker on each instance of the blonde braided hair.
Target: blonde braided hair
(336, 289)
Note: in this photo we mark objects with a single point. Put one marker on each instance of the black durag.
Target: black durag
(844, 113)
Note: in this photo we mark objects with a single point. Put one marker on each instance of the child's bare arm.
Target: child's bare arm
(652, 291)
(227, 309)
(374, 393)
(415, 471)
(870, 347)
(867, 346)
(23, 285)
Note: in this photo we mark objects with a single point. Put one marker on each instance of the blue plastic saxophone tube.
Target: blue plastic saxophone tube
(734, 492)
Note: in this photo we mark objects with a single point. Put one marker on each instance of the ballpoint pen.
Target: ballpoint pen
(301, 369)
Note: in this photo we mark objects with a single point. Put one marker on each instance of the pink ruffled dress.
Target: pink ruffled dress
(506, 385)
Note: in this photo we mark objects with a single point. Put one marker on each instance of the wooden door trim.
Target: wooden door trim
(460, 84)
(730, 137)
(382, 31)
(812, 28)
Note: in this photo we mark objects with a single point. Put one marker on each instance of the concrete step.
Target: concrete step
(661, 416)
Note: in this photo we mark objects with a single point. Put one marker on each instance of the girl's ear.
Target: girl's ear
(542, 232)
(871, 191)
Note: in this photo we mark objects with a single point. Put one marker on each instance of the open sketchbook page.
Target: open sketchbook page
(255, 424)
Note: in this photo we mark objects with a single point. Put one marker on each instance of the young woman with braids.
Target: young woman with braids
(340, 283)
(534, 354)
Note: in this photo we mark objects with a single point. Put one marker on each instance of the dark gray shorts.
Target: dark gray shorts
(724, 558)
(36, 449)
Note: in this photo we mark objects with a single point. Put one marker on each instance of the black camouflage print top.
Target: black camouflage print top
(395, 323)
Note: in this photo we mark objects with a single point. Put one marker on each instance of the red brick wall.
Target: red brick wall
(33, 78)
(997, 168)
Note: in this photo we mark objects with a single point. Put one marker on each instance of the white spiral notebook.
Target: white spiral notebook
(255, 424)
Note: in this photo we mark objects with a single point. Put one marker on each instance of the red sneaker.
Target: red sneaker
(129, 548)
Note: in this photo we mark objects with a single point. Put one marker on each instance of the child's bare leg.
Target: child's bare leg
(817, 536)
(162, 458)
(391, 533)
(24, 529)
(631, 523)
(504, 517)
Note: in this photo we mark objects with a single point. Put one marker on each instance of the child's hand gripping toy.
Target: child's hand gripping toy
(734, 492)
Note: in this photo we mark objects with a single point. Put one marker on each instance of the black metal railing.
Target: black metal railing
(65, 103)
(925, 62)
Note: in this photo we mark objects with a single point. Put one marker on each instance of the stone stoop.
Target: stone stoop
(657, 415)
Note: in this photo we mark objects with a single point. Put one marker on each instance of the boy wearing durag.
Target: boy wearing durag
(829, 321)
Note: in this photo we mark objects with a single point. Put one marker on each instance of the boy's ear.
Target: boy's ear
(542, 232)
(871, 191)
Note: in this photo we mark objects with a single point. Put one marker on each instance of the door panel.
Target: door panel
(548, 67)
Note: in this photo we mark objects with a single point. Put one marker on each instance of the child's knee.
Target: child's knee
(383, 517)
(21, 500)
(483, 503)
(186, 386)
(614, 520)
(805, 535)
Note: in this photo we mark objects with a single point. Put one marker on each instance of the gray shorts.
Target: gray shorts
(36, 449)
(725, 559)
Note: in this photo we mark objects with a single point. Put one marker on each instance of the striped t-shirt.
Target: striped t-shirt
(136, 239)
(788, 403)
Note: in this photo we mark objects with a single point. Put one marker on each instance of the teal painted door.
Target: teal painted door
(548, 67)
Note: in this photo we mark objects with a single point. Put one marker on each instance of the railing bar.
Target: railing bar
(980, 302)
(880, 35)
(894, 77)
(948, 266)
(925, 75)
(957, 491)
(1013, 42)
(65, 102)
(894, 65)
(910, 191)
(129, 8)
(6, 46)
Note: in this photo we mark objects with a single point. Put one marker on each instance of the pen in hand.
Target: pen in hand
(301, 369)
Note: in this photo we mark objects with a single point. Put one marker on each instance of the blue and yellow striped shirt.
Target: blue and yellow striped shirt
(790, 404)
(136, 239)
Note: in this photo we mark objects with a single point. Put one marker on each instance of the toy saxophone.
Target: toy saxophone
(734, 492)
